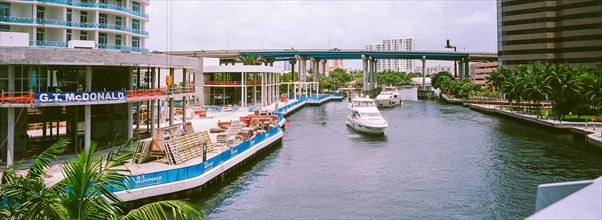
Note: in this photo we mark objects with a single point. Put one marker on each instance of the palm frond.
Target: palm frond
(43, 161)
(164, 210)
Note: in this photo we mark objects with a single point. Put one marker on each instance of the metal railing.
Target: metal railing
(121, 47)
(94, 5)
(17, 97)
(47, 44)
(24, 20)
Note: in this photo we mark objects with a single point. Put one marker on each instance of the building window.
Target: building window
(119, 3)
(136, 6)
(68, 35)
(102, 38)
(117, 39)
(83, 17)
(4, 9)
(40, 34)
(135, 24)
(4, 28)
(69, 15)
(102, 18)
(40, 12)
(118, 21)
(135, 42)
(83, 35)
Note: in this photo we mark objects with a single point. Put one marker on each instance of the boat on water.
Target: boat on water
(365, 117)
(388, 98)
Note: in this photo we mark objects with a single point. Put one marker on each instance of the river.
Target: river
(435, 161)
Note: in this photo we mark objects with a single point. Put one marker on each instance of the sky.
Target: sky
(209, 25)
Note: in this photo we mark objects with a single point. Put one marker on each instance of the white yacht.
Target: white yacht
(365, 117)
(388, 98)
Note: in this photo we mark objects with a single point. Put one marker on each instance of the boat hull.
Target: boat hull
(363, 128)
(387, 102)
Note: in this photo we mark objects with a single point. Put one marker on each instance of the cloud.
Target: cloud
(197, 25)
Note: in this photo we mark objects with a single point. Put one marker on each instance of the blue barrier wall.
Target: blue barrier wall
(184, 173)
(179, 174)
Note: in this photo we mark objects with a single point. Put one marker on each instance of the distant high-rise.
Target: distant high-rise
(334, 64)
(397, 44)
(565, 31)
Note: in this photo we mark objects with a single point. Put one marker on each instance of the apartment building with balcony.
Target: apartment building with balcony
(81, 70)
(109, 24)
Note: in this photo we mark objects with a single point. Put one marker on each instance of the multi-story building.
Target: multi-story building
(80, 70)
(334, 64)
(480, 71)
(397, 44)
(106, 24)
(566, 31)
(430, 70)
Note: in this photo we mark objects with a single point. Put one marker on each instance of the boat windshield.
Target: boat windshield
(363, 103)
(386, 93)
(371, 114)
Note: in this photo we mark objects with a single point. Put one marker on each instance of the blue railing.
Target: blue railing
(121, 47)
(93, 5)
(305, 98)
(47, 44)
(71, 24)
(184, 173)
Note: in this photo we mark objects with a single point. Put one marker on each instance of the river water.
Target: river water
(435, 161)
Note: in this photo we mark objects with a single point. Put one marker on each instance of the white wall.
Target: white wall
(14, 39)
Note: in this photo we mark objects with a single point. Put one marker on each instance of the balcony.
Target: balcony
(93, 5)
(47, 44)
(21, 20)
(121, 47)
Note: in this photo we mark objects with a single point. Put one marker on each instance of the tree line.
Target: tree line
(571, 90)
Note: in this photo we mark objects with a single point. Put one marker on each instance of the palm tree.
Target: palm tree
(537, 87)
(497, 77)
(83, 192)
(592, 89)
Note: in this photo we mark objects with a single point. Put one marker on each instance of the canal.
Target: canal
(435, 161)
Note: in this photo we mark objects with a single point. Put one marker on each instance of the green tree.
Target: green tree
(83, 193)
(435, 78)
(592, 88)
(497, 78)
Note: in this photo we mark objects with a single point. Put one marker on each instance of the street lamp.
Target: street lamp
(448, 45)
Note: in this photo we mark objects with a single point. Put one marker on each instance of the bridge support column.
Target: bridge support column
(424, 72)
(324, 71)
(374, 74)
(365, 85)
(467, 68)
(461, 69)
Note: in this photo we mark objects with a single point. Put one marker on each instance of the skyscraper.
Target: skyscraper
(564, 31)
(396, 44)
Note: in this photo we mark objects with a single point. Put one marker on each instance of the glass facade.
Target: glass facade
(548, 30)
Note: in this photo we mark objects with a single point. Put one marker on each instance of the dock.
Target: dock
(156, 179)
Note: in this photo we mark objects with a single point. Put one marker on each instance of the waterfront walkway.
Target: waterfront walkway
(591, 130)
